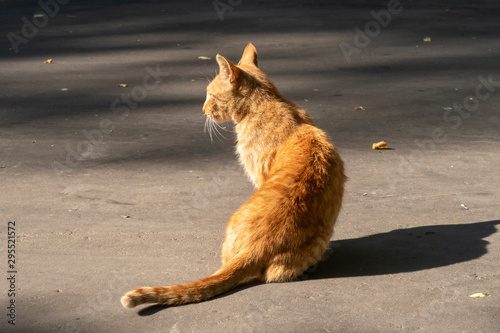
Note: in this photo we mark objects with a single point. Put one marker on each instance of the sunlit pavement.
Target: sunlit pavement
(112, 183)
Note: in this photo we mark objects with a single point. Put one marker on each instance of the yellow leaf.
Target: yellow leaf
(478, 295)
(380, 145)
(48, 61)
(427, 39)
(359, 108)
(204, 58)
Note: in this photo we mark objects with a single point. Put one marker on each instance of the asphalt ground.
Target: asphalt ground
(113, 188)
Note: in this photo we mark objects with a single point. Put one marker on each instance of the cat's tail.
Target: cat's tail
(226, 278)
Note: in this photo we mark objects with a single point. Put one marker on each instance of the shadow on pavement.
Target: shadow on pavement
(397, 251)
(406, 250)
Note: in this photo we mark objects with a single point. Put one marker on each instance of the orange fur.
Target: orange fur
(286, 225)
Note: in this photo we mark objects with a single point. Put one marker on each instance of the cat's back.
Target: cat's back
(308, 157)
(301, 197)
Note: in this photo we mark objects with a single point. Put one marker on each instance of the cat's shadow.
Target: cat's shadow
(397, 251)
(405, 250)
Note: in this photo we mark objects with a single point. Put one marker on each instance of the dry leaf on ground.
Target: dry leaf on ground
(380, 145)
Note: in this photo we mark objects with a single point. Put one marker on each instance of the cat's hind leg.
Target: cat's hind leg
(290, 265)
(282, 269)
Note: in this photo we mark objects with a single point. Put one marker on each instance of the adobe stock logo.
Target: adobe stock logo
(29, 30)
(373, 28)
(225, 7)
(120, 107)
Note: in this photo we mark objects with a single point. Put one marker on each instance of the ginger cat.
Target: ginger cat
(285, 227)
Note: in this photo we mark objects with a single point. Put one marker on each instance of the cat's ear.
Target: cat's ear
(229, 72)
(249, 55)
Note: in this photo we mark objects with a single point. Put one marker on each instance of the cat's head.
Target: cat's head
(226, 93)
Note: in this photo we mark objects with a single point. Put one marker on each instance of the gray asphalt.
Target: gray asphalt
(113, 188)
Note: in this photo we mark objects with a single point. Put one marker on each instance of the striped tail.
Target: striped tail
(225, 279)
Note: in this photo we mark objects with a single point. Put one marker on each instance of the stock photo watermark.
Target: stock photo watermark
(372, 29)
(424, 315)
(40, 19)
(97, 304)
(223, 7)
(259, 314)
(201, 199)
(452, 115)
(12, 269)
(120, 107)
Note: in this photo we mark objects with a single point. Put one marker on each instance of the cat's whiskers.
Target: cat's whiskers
(205, 126)
(208, 126)
(216, 127)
